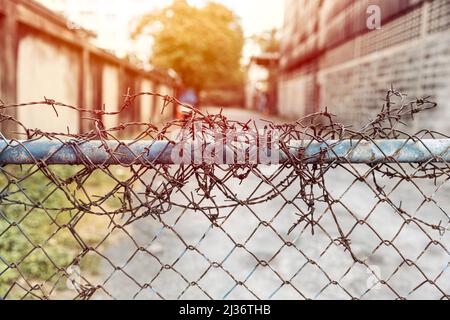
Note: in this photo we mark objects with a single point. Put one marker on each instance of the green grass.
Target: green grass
(34, 215)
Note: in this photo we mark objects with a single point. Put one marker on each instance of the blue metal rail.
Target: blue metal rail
(159, 152)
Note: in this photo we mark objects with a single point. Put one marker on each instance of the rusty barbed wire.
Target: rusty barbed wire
(129, 224)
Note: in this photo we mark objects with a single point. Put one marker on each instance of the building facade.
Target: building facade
(41, 56)
(332, 57)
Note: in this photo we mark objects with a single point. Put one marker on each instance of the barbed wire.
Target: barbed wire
(63, 201)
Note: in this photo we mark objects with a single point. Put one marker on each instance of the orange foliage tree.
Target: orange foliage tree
(202, 44)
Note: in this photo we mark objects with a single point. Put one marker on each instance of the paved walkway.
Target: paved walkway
(333, 263)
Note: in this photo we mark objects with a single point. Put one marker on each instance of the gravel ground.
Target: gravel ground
(316, 267)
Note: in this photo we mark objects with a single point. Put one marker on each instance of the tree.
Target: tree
(203, 45)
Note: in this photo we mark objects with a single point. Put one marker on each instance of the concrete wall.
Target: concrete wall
(40, 56)
(8, 61)
(111, 94)
(351, 75)
(295, 95)
(46, 69)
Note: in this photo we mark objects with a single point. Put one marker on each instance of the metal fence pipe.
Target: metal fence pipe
(160, 152)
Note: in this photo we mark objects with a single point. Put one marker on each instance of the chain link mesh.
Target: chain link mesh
(296, 230)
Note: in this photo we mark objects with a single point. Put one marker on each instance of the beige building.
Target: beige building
(332, 57)
(42, 56)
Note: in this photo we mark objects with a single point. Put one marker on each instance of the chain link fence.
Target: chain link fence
(323, 212)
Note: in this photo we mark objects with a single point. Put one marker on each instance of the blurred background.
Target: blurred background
(280, 58)
(284, 59)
